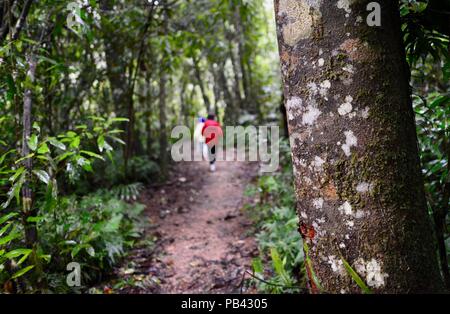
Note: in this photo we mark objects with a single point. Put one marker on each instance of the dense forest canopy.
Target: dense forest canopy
(90, 91)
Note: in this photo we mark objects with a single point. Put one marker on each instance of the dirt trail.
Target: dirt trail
(204, 240)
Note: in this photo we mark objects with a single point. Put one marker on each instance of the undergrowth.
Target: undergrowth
(280, 266)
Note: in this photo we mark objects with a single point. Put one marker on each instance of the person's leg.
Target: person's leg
(212, 158)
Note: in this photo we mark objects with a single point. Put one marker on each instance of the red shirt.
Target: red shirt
(212, 132)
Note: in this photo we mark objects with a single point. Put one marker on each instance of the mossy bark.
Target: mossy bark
(354, 146)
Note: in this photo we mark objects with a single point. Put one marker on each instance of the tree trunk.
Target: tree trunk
(241, 49)
(131, 138)
(216, 89)
(27, 193)
(129, 148)
(116, 71)
(184, 105)
(198, 77)
(162, 120)
(116, 74)
(237, 84)
(354, 146)
(230, 109)
(162, 108)
(149, 100)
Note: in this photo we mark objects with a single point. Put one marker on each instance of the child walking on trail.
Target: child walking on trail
(212, 132)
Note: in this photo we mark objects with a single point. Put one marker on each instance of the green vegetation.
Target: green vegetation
(281, 261)
(69, 70)
(94, 228)
(428, 53)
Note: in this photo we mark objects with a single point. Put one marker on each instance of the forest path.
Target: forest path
(205, 244)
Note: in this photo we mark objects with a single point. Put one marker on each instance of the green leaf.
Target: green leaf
(45, 257)
(113, 224)
(33, 142)
(90, 250)
(14, 192)
(94, 118)
(7, 217)
(257, 265)
(101, 143)
(107, 147)
(35, 219)
(5, 228)
(17, 253)
(43, 149)
(36, 127)
(277, 263)
(356, 277)
(24, 158)
(88, 167)
(22, 272)
(71, 134)
(441, 100)
(92, 154)
(115, 131)
(42, 175)
(3, 157)
(310, 268)
(76, 250)
(120, 120)
(75, 142)
(17, 174)
(10, 237)
(53, 141)
(118, 140)
(64, 156)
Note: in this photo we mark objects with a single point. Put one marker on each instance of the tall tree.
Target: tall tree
(134, 71)
(198, 77)
(357, 173)
(163, 144)
(27, 193)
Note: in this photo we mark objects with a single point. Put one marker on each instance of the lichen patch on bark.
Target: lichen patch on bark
(318, 203)
(372, 271)
(311, 115)
(294, 106)
(346, 209)
(350, 141)
(346, 107)
(364, 187)
(301, 16)
(336, 265)
(345, 5)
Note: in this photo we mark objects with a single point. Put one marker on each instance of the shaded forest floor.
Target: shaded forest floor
(203, 239)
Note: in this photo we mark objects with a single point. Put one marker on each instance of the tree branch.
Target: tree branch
(22, 19)
(8, 19)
